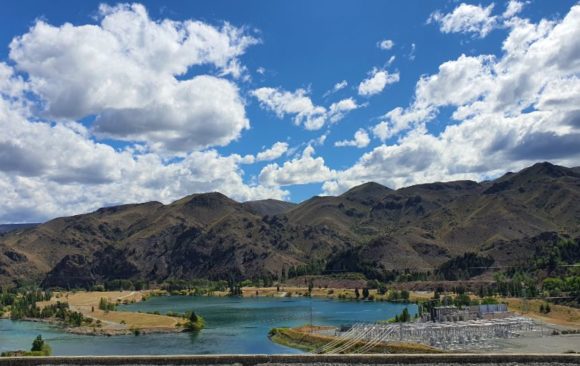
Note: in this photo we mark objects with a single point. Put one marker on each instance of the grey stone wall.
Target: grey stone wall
(307, 360)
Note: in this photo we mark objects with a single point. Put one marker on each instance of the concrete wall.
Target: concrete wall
(307, 359)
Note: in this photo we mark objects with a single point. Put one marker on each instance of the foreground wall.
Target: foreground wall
(308, 360)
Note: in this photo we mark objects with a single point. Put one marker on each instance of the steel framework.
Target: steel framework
(461, 335)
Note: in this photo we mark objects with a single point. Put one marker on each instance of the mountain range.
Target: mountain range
(372, 226)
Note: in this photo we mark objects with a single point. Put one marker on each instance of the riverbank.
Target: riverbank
(307, 339)
(560, 316)
(125, 322)
(327, 293)
(112, 322)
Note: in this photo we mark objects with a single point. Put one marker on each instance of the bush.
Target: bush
(194, 322)
(37, 344)
(105, 305)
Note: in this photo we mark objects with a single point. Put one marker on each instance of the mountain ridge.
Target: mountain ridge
(212, 236)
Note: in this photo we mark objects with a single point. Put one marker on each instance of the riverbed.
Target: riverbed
(233, 325)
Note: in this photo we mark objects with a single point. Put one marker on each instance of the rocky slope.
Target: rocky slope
(372, 226)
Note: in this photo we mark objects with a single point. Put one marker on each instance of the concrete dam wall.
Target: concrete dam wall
(307, 360)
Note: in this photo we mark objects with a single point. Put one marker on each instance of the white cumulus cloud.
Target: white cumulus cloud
(301, 170)
(299, 104)
(376, 82)
(128, 73)
(49, 170)
(510, 111)
(386, 44)
(361, 139)
(337, 87)
(274, 152)
(125, 71)
(466, 18)
(513, 8)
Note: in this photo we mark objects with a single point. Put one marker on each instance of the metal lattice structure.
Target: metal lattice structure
(462, 335)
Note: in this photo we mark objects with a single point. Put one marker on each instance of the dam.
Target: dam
(456, 359)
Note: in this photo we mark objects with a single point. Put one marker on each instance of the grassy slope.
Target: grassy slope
(560, 315)
(301, 338)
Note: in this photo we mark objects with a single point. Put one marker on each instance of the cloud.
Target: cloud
(510, 111)
(11, 85)
(301, 170)
(299, 104)
(411, 55)
(200, 112)
(338, 86)
(466, 18)
(399, 119)
(49, 170)
(276, 151)
(338, 110)
(376, 82)
(452, 85)
(513, 8)
(127, 71)
(386, 44)
(361, 139)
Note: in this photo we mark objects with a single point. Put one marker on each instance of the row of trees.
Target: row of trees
(106, 305)
(556, 286)
(59, 311)
(22, 304)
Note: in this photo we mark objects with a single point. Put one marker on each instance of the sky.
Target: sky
(110, 103)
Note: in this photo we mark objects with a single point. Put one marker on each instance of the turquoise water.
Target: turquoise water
(233, 325)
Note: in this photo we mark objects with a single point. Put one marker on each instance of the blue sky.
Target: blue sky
(296, 49)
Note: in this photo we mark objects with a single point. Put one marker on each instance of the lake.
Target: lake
(233, 325)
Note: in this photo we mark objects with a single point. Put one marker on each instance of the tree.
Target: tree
(193, 317)
(194, 322)
(481, 292)
(405, 316)
(37, 344)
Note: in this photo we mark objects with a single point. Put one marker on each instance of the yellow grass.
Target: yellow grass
(559, 315)
(114, 322)
(330, 293)
(303, 338)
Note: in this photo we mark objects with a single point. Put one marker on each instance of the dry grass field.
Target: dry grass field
(121, 322)
(304, 338)
(114, 322)
(329, 293)
(559, 315)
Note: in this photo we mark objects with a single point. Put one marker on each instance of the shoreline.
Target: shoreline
(112, 323)
(304, 339)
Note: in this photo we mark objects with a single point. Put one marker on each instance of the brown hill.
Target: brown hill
(269, 206)
(369, 228)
